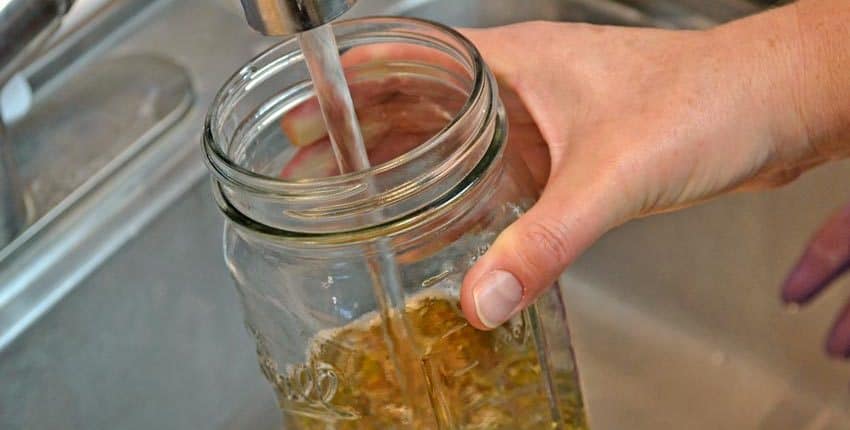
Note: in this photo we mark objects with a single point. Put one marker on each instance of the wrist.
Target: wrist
(822, 62)
(765, 54)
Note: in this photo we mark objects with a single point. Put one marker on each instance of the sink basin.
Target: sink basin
(676, 318)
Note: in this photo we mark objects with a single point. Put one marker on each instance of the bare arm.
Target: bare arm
(619, 123)
(823, 61)
(823, 71)
(641, 121)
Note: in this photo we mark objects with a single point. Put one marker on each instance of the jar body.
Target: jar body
(360, 328)
(335, 356)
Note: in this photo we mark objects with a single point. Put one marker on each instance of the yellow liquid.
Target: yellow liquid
(459, 377)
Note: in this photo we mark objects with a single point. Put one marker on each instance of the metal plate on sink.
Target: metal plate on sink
(119, 106)
(112, 140)
(675, 317)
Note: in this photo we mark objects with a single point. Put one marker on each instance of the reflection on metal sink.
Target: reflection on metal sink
(676, 317)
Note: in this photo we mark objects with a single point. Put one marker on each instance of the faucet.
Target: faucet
(284, 17)
(25, 25)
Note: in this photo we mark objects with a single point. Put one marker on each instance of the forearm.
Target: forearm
(793, 64)
(824, 73)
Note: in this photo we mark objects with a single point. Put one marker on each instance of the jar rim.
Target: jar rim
(225, 169)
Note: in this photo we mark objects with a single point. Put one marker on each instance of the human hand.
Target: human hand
(619, 123)
(635, 122)
(825, 259)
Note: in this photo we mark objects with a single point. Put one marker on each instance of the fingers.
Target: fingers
(313, 161)
(532, 151)
(419, 108)
(826, 257)
(838, 342)
(496, 47)
(400, 52)
(304, 124)
(573, 211)
(530, 255)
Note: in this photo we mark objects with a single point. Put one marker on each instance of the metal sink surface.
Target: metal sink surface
(134, 322)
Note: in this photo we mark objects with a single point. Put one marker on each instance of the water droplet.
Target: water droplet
(247, 72)
(430, 282)
(515, 210)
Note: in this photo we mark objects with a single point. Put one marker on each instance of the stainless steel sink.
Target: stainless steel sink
(676, 318)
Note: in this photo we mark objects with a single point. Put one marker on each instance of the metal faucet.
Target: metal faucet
(284, 17)
(24, 27)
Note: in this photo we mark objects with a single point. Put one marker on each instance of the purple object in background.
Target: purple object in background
(826, 258)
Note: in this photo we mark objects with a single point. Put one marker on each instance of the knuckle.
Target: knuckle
(550, 241)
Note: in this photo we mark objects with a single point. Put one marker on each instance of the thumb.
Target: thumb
(530, 255)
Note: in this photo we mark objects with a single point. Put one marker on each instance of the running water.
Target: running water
(322, 57)
(418, 363)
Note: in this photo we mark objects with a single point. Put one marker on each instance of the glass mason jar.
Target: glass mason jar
(350, 283)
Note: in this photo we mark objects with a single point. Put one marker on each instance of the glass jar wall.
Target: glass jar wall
(350, 283)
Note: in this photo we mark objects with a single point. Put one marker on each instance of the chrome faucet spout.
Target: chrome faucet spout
(24, 26)
(284, 17)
